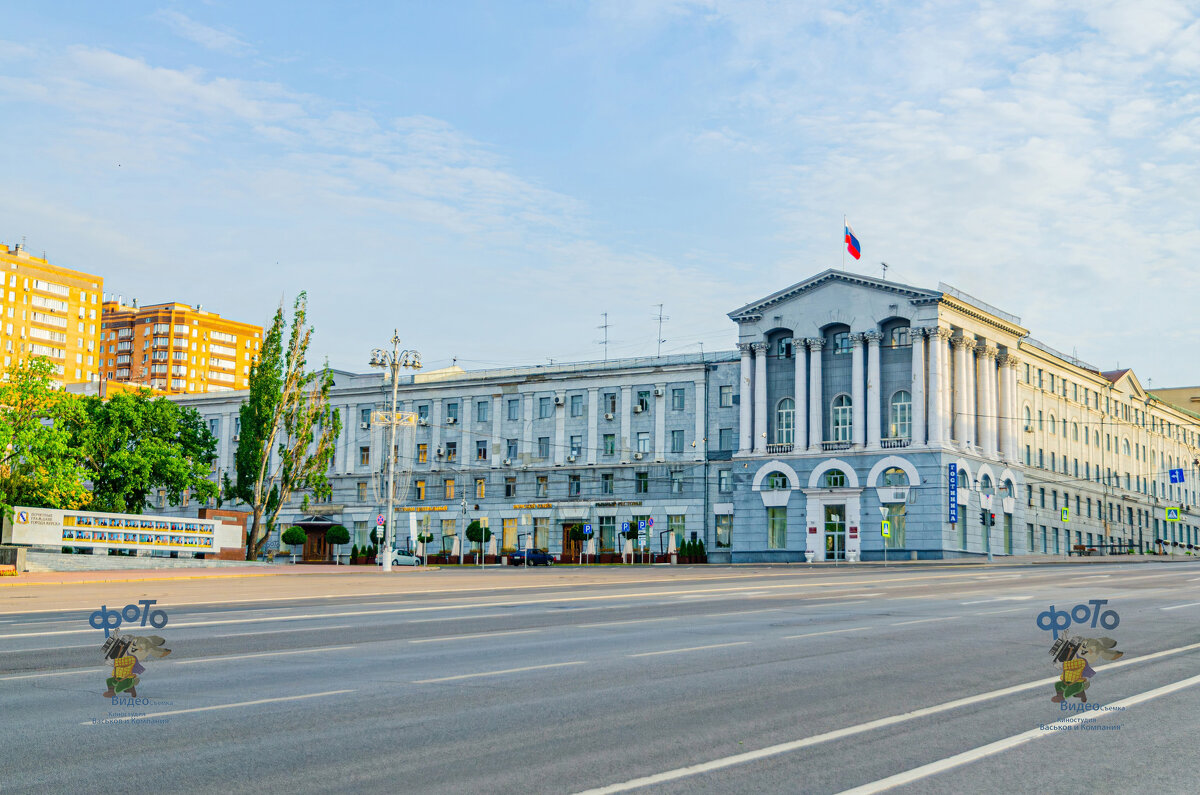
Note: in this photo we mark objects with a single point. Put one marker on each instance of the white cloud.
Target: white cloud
(205, 36)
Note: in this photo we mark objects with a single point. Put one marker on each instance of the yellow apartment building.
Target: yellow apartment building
(51, 311)
(175, 348)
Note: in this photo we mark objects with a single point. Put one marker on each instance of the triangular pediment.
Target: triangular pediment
(756, 309)
(1127, 381)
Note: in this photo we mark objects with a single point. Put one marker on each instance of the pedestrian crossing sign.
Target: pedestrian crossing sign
(1066, 515)
(887, 528)
(1172, 514)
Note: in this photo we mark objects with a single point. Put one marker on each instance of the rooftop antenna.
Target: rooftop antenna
(884, 265)
(661, 318)
(605, 326)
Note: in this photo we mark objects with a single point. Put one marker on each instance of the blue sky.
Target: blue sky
(490, 177)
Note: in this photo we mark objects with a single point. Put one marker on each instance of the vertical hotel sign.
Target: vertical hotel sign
(953, 491)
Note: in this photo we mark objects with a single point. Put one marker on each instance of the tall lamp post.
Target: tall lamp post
(394, 361)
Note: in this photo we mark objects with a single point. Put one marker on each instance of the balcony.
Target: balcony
(892, 444)
(830, 446)
(782, 447)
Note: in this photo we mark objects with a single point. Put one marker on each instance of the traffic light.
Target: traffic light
(991, 520)
(987, 518)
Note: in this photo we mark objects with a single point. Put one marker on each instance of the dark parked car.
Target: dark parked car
(536, 558)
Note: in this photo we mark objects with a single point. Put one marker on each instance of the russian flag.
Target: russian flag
(852, 243)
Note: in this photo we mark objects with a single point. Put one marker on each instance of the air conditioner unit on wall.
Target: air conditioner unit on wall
(364, 425)
(637, 409)
(571, 458)
(558, 400)
(441, 451)
(451, 420)
(508, 462)
(637, 456)
(422, 421)
(658, 392)
(608, 416)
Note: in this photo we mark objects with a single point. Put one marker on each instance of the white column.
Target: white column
(626, 409)
(917, 387)
(660, 422)
(560, 428)
(993, 402)
(937, 364)
(859, 431)
(873, 388)
(593, 438)
(972, 374)
(701, 449)
(800, 354)
(498, 450)
(745, 406)
(947, 397)
(816, 410)
(760, 397)
(979, 351)
(961, 417)
(1007, 452)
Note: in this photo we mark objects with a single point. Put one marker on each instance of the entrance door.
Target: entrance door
(316, 550)
(570, 547)
(835, 532)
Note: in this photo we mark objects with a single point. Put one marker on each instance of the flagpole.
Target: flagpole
(843, 241)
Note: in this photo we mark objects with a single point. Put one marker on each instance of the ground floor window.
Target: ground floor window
(541, 532)
(835, 532)
(962, 529)
(725, 530)
(508, 531)
(1008, 533)
(777, 528)
(897, 514)
(677, 526)
(449, 531)
(608, 533)
(1029, 529)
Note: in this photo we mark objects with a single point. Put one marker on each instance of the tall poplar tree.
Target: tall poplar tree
(287, 413)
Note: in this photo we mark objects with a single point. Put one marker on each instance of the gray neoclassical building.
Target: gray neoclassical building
(849, 399)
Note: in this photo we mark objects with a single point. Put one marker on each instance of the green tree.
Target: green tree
(287, 412)
(133, 444)
(294, 536)
(38, 465)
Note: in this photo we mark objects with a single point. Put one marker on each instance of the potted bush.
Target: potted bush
(336, 536)
(354, 561)
(701, 552)
(294, 537)
(478, 534)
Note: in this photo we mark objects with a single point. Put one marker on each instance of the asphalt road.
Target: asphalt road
(710, 680)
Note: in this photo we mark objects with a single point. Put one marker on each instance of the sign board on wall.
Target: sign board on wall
(953, 494)
(57, 528)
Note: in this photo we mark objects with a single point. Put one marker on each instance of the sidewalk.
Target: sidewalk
(145, 575)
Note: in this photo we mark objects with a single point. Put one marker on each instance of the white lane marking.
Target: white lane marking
(742, 612)
(923, 621)
(259, 654)
(458, 618)
(497, 673)
(999, 599)
(298, 629)
(631, 621)
(998, 612)
(476, 635)
(690, 648)
(848, 731)
(1177, 607)
(831, 604)
(227, 706)
(51, 648)
(55, 673)
(975, 754)
(826, 632)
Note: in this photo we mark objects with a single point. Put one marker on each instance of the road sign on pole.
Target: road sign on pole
(887, 529)
(1172, 514)
(1066, 515)
(380, 521)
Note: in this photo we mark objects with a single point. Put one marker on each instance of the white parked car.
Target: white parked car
(402, 558)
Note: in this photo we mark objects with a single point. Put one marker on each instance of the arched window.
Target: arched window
(899, 337)
(785, 421)
(1052, 425)
(895, 477)
(1125, 447)
(1097, 438)
(843, 418)
(835, 479)
(985, 483)
(1028, 419)
(774, 481)
(1075, 431)
(900, 424)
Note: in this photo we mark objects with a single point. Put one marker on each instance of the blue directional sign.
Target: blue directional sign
(1176, 475)
(587, 529)
(953, 506)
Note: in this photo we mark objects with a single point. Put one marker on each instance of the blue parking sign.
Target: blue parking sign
(641, 524)
(587, 529)
(624, 527)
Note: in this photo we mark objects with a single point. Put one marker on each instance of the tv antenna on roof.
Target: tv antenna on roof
(884, 265)
(661, 318)
(605, 326)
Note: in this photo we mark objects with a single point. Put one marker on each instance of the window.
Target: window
(510, 487)
(725, 439)
(480, 488)
(643, 400)
(894, 477)
(677, 481)
(514, 409)
(419, 490)
(481, 411)
(610, 402)
(606, 483)
(362, 491)
(510, 449)
(777, 528)
(481, 453)
(452, 411)
(835, 479)
(573, 485)
(422, 453)
(783, 348)
(543, 447)
(898, 517)
(843, 418)
(423, 412)
(725, 397)
(724, 530)
(1075, 431)
(724, 481)
(677, 526)
(1052, 425)
(785, 418)
(900, 422)
(364, 456)
(899, 338)
(1041, 425)
(545, 408)
(677, 400)
(214, 426)
(774, 481)
(1028, 420)
(448, 488)
(451, 451)
(576, 405)
(841, 342)
(364, 417)
(643, 441)
(610, 444)
(576, 445)
(543, 485)
(641, 482)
